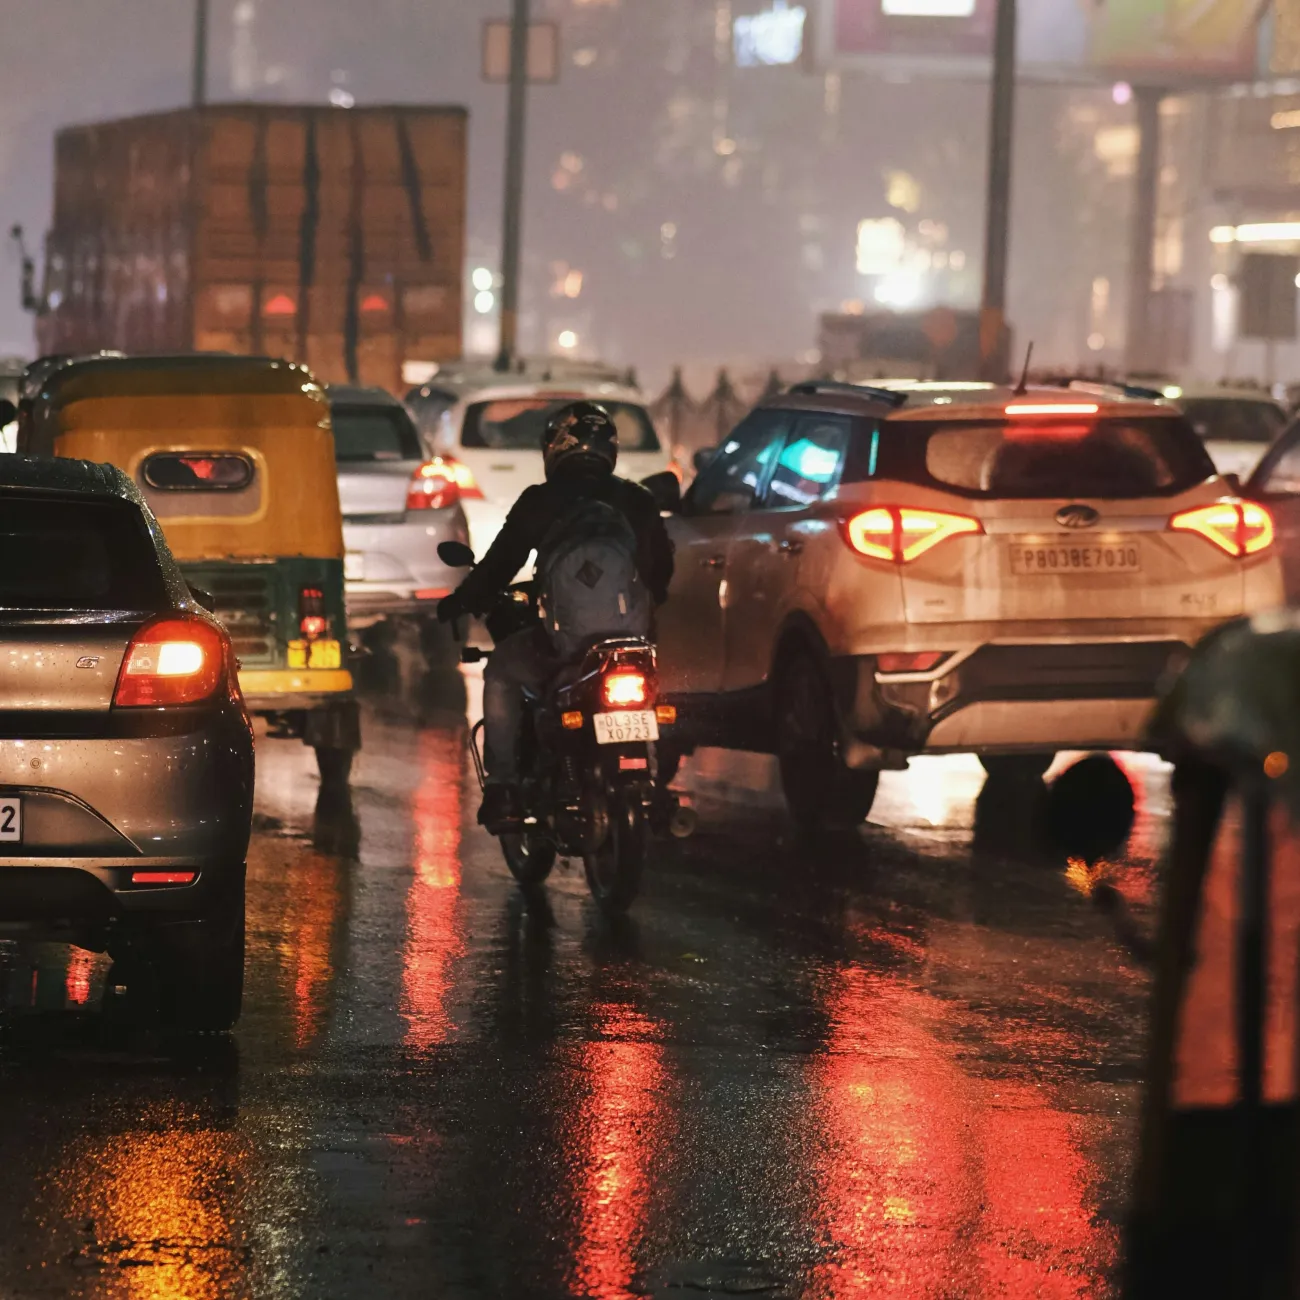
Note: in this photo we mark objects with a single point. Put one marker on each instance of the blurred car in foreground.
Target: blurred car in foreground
(858, 581)
(493, 440)
(1237, 425)
(397, 507)
(126, 753)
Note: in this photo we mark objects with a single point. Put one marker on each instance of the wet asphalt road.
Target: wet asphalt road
(895, 1066)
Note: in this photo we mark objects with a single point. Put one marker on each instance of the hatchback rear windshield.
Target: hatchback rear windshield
(76, 555)
(373, 433)
(1062, 457)
(516, 424)
(1228, 419)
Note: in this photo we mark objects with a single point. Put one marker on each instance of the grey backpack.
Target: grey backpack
(588, 585)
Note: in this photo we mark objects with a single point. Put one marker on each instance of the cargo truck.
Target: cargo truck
(329, 236)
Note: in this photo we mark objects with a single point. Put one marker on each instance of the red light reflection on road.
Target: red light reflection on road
(621, 1127)
(81, 966)
(937, 1183)
(433, 935)
(309, 925)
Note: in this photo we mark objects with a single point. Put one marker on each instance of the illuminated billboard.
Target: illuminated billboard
(942, 29)
(772, 38)
(1216, 38)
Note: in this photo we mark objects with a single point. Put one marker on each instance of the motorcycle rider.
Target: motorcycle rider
(580, 451)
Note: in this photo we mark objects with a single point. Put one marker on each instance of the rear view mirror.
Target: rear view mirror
(1234, 482)
(204, 598)
(8, 412)
(666, 489)
(704, 458)
(456, 555)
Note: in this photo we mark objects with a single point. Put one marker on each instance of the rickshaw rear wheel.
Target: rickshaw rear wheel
(335, 765)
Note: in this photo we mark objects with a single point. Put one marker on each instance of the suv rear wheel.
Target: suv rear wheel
(819, 790)
(1021, 768)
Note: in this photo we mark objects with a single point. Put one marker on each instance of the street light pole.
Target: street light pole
(512, 224)
(199, 93)
(993, 309)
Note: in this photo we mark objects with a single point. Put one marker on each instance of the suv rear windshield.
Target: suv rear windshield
(372, 433)
(76, 555)
(516, 424)
(1029, 457)
(1233, 419)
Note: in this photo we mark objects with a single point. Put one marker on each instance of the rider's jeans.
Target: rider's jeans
(521, 662)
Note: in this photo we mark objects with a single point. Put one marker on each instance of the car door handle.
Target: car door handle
(714, 561)
(789, 547)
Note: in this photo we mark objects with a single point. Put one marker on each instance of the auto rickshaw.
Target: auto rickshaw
(235, 455)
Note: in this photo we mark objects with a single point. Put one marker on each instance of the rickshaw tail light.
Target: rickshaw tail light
(172, 661)
(433, 486)
(312, 622)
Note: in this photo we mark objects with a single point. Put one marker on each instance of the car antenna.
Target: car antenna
(1023, 386)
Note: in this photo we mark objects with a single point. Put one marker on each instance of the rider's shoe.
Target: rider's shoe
(502, 809)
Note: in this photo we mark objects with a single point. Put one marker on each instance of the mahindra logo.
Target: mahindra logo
(1077, 516)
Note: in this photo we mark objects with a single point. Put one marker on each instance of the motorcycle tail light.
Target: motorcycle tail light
(903, 533)
(312, 622)
(1237, 527)
(626, 689)
(434, 486)
(172, 661)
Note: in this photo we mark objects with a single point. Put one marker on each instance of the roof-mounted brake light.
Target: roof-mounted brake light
(1053, 408)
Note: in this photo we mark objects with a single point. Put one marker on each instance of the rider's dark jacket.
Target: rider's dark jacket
(531, 518)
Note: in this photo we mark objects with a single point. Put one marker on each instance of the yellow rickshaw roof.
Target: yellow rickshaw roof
(190, 375)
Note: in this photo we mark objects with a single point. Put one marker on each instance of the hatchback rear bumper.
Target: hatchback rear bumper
(1008, 698)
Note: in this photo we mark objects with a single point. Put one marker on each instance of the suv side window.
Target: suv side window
(734, 478)
(810, 463)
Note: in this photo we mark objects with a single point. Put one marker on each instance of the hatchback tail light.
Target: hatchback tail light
(1237, 527)
(902, 533)
(312, 620)
(628, 688)
(173, 661)
(432, 487)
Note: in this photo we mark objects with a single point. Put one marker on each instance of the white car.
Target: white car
(1237, 425)
(493, 438)
(860, 579)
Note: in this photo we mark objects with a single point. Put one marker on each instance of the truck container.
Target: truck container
(330, 236)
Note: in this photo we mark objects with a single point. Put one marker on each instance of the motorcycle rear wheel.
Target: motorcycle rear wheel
(529, 856)
(614, 869)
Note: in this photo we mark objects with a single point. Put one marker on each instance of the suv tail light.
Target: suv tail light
(312, 621)
(628, 688)
(1237, 527)
(173, 661)
(921, 662)
(432, 487)
(901, 533)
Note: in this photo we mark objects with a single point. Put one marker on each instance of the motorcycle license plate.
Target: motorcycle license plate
(626, 728)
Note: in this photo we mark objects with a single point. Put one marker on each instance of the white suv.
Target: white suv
(1005, 573)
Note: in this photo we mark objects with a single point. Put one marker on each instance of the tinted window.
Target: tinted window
(517, 423)
(372, 433)
(810, 461)
(731, 481)
(1227, 419)
(1063, 457)
(197, 472)
(59, 554)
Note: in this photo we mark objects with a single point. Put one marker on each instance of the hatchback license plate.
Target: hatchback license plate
(11, 820)
(626, 728)
(1095, 557)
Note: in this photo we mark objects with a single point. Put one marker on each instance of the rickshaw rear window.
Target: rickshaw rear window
(76, 555)
(370, 433)
(202, 471)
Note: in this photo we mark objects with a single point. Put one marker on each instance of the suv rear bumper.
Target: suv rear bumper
(1007, 698)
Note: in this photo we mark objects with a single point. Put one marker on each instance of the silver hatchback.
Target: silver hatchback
(398, 505)
(126, 753)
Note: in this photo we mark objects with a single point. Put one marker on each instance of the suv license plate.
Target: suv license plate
(626, 728)
(1120, 557)
(11, 820)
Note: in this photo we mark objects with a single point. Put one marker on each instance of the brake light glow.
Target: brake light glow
(1053, 408)
(1238, 527)
(163, 877)
(625, 689)
(432, 487)
(463, 477)
(312, 622)
(921, 662)
(172, 661)
(901, 533)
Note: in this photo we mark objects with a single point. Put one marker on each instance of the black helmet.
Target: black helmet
(580, 437)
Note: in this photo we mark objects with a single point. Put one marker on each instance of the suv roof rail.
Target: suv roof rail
(1104, 386)
(886, 395)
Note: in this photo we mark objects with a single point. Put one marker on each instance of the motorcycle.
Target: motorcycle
(588, 756)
